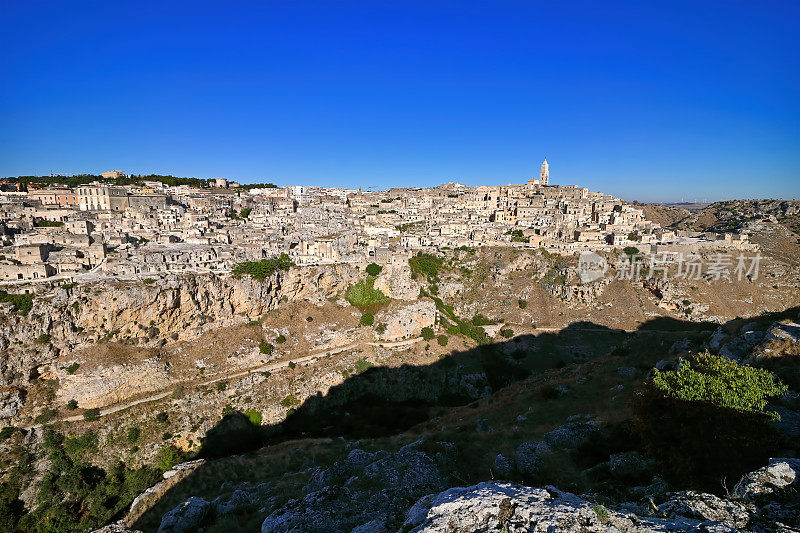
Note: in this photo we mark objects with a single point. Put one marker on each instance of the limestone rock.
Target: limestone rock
(529, 457)
(490, 507)
(700, 506)
(185, 517)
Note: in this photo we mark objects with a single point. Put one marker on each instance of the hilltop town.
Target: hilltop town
(102, 229)
(182, 353)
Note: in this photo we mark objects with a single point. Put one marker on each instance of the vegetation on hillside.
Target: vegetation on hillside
(705, 422)
(364, 295)
(264, 268)
(22, 303)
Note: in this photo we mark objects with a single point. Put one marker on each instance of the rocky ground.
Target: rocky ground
(183, 356)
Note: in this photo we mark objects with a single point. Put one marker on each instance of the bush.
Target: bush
(253, 416)
(167, 457)
(374, 269)
(631, 251)
(380, 329)
(162, 417)
(91, 415)
(290, 402)
(47, 415)
(72, 404)
(6, 433)
(426, 264)
(705, 421)
(71, 369)
(507, 333)
(364, 295)
(367, 319)
(480, 320)
(362, 365)
(522, 304)
(265, 348)
(44, 338)
(264, 268)
(442, 340)
(22, 303)
(714, 379)
(280, 339)
(428, 333)
(133, 435)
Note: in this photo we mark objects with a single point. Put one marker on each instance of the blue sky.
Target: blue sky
(646, 100)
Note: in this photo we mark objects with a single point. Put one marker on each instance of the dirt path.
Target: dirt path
(263, 368)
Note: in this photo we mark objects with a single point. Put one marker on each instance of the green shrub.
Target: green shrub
(167, 457)
(47, 415)
(362, 365)
(631, 251)
(706, 421)
(522, 304)
(480, 320)
(42, 223)
(72, 404)
(427, 264)
(442, 340)
(264, 268)
(428, 333)
(44, 338)
(380, 329)
(265, 348)
(22, 303)
(290, 402)
(367, 319)
(244, 213)
(91, 415)
(71, 369)
(280, 339)
(133, 435)
(364, 295)
(292, 365)
(162, 417)
(704, 377)
(221, 386)
(148, 281)
(6, 433)
(309, 319)
(253, 416)
(374, 269)
(507, 333)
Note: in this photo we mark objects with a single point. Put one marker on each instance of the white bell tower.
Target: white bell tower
(544, 174)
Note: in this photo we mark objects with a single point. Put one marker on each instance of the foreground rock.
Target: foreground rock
(764, 500)
(516, 508)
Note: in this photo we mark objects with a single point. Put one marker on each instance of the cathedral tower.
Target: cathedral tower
(544, 174)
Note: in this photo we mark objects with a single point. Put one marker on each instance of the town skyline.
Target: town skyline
(646, 102)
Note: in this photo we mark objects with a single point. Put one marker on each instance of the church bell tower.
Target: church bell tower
(544, 174)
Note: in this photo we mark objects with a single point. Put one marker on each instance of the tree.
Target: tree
(705, 421)
(367, 319)
(428, 333)
(442, 340)
(91, 415)
(265, 348)
(373, 269)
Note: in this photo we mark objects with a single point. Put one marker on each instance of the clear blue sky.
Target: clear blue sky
(682, 100)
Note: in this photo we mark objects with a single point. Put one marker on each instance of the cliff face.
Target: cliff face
(150, 314)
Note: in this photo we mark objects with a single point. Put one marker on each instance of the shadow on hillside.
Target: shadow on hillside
(383, 401)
